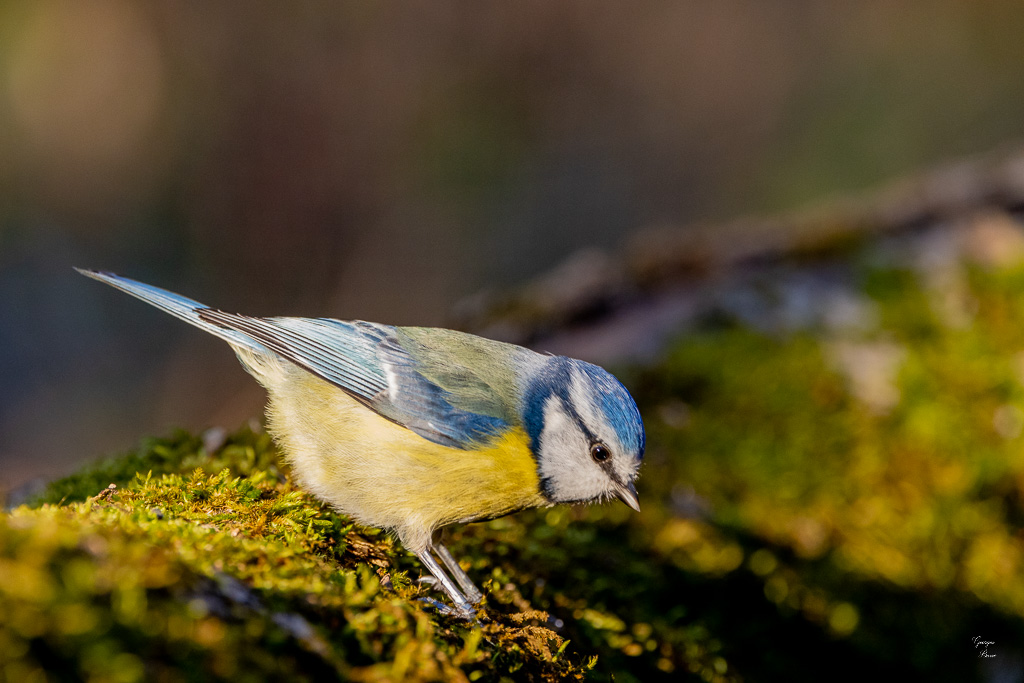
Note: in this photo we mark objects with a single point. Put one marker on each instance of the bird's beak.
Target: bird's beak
(627, 494)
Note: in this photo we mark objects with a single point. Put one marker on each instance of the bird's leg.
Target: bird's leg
(464, 607)
(472, 592)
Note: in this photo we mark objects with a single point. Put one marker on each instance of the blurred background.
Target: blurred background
(384, 162)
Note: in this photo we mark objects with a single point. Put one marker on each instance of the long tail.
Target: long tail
(175, 304)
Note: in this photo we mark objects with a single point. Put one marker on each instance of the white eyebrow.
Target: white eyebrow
(582, 399)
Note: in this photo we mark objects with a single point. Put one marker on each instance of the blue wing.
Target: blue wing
(177, 305)
(369, 362)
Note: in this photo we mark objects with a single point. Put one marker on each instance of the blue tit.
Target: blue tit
(415, 428)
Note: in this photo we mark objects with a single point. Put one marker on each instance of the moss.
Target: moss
(790, 530)
(243, 453)
(217, 575)
(896, 533)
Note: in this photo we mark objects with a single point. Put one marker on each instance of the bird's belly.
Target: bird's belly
(386, 475)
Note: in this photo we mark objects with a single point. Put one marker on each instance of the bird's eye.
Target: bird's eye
(600, 452)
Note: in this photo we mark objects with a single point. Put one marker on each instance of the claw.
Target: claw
(462, 605)
(455, 612)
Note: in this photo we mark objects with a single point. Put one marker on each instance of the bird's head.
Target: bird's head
(585, 431)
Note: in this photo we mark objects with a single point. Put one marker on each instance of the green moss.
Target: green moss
(789, 530)
(213, 575)
(243, 453)
(897, 532)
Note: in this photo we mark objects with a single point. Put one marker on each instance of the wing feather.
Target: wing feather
(449, 387)
(341, 355)
(393, 372)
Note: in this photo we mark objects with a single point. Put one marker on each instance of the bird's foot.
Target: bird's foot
(463, 613)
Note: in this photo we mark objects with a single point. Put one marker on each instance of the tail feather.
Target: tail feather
(179, 306)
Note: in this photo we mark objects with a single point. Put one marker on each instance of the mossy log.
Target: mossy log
(833, 487)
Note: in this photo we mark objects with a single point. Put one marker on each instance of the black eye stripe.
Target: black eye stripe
(598, 450)
(570, 409)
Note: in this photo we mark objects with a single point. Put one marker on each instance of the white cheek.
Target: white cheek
(565, 458)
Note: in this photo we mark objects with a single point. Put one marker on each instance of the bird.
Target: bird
(411, 429)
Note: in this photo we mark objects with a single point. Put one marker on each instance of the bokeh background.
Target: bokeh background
(385, 161)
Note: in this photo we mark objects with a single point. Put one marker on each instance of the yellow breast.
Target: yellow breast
(386, 475)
